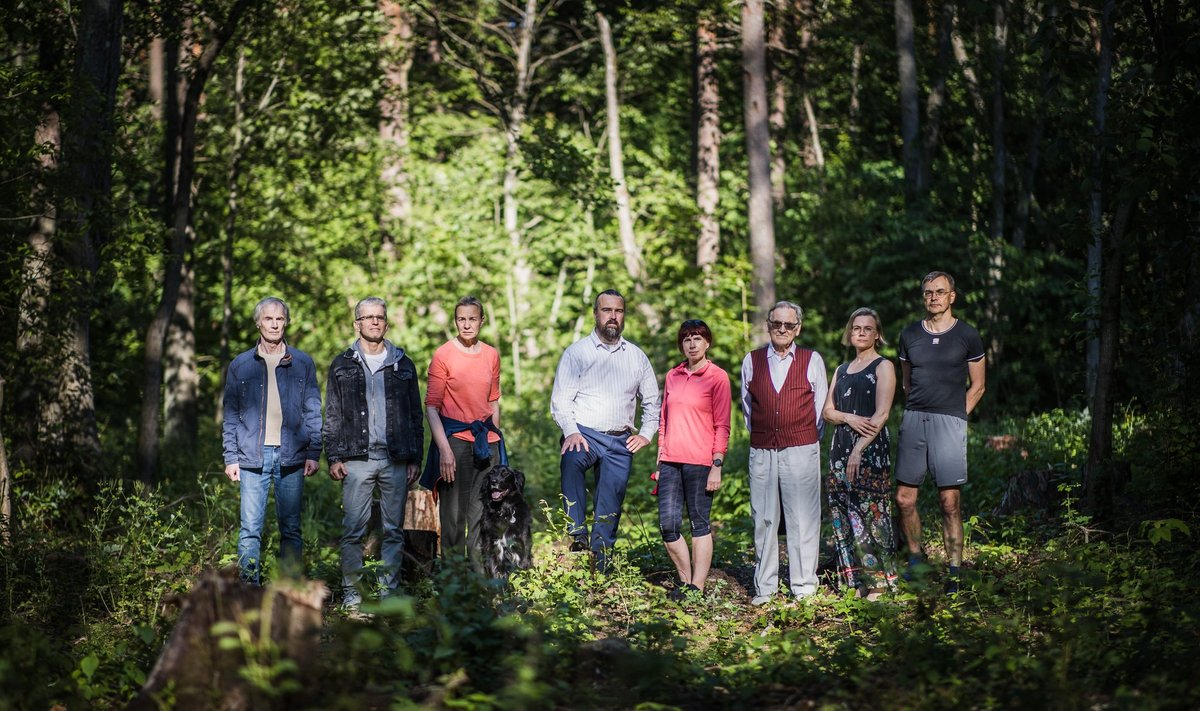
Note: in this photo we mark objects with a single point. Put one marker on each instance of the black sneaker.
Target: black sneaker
(579, 545)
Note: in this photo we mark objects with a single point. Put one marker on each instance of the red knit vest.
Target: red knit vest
(787, 418)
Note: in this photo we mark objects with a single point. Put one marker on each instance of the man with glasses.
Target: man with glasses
(783, 392)
(938, 356)
(596, 388)
(373, 439)
(272, 436)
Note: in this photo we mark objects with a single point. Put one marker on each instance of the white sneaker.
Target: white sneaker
(760, 600)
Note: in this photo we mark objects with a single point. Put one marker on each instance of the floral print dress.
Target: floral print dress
(862, 510)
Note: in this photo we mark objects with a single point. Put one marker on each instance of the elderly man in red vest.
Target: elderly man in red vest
(783, 391)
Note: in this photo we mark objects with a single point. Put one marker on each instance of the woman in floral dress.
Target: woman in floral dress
(859, 484)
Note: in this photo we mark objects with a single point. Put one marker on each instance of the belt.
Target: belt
(618, 433)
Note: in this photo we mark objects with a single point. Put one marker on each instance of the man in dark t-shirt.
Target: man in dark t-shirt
(939, 356)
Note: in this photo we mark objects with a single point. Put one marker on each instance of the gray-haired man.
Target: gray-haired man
(271, 432)
(374, 424)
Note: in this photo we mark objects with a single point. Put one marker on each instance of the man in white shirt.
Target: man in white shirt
(596, 388)
(783, 392)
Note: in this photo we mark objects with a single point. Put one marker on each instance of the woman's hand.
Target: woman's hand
(853, 465)
(862, 425)
(714, 479)
(447, 464)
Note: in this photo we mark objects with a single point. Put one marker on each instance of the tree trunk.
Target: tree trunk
(87, 150)
(777, 117)
(393, 123)
(910, 112)
(708, 141)
(814, 154)
(1096, 204)
(43, 418)
(1100, 473)
(232, 205)
(999, 159)
(522, 274)
(616, 161)
(853, 111)
(758, 151)
(937, 92)
(968, 72)
(5, 481)
(1029, 174)
(182, 379)
(181, 235)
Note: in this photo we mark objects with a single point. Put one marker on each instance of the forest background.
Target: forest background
(165, 165)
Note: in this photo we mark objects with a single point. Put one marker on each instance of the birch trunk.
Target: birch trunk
(758, 151)
(708, 141)
(616, 162)
(522, 273)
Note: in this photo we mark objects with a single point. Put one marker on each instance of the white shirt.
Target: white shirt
(597, 385)
(779, 365)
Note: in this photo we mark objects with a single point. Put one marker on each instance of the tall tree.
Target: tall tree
(1104, 284)
(814, 154)
(708, 143)
(35, 395)
(758, 152)
(616, 161)
(397, 48)
(999, 161)
(777, 117)
(1048, 35)
(77, 228)
(910, 112)
(181, 236)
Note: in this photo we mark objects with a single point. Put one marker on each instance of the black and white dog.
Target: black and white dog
(505, 541)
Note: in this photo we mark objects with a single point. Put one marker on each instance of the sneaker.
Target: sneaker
(579, 545)
(677, 594)
(760, 600)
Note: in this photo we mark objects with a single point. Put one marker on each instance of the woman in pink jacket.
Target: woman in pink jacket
(693, 434)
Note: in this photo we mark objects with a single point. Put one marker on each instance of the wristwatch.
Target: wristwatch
(717, 461)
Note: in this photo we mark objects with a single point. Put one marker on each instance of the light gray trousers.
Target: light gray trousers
(790, 479)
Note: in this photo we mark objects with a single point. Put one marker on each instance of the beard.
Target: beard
(610, 331)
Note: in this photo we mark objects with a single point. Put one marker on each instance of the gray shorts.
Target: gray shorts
(934, 443)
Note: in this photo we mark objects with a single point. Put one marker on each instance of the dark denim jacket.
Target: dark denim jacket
(346, 422)
(245, 407)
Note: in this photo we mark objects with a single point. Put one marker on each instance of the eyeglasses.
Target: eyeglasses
(785, 325)
(930, 294)
(372, 317)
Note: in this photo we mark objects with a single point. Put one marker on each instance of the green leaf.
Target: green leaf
(89, 665)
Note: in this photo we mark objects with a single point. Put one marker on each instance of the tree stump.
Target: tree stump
(199, 669)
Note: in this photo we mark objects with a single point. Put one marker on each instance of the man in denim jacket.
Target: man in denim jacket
(272, 436)
(374, 427)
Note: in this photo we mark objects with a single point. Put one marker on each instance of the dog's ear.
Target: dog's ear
(519, 478)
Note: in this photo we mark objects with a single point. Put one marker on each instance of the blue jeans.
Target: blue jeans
(611, 461)
(289, 490)
(678, 483)
(362, 476)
